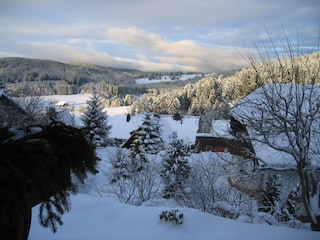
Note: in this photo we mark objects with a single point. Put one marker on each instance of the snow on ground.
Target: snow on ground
(117, 118)
(75, 99)
(102, 218)
(96, 215)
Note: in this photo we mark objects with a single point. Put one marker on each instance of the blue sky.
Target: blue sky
(161, 35)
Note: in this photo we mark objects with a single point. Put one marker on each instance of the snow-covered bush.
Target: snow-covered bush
(293, 209)
(210, 191)
(205, 170)
(129, 184)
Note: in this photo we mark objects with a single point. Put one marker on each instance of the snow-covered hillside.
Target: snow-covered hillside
(103, 218)
(100, 216)
(166, 78)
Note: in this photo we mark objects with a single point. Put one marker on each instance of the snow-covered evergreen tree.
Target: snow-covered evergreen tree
(95, 122)
(175, 168)
(147, 141)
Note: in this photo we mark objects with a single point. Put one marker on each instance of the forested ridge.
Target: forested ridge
(218, 93)
(212, 95)
(22, 76)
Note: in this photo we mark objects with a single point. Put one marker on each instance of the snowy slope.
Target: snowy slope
(99, 216)
(102, 218)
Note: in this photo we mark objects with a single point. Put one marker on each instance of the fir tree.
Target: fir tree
(175, 168)
(150, 134)
(40, 166)
(147, 140)
(95, 122)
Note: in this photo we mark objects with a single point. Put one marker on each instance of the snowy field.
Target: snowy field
(99, 216)
(183, 77)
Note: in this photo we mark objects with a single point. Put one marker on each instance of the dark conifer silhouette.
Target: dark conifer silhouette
(36, 167)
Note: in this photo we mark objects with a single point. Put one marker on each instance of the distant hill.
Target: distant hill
(21, 76)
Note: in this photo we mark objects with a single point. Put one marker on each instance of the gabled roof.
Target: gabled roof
(276, 92)
(285, 97)
(185, 129)
(8, 101)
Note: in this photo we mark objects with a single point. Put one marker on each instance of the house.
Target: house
(132, 137)
(123, 131)
(221, 138)
(268, 117)
(11, 113)
(61, 103)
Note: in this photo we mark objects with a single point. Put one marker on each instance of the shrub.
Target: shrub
(172, 216)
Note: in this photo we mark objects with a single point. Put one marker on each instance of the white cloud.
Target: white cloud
(150, 35)
(67, 53)
(188, 54)
(134, 36)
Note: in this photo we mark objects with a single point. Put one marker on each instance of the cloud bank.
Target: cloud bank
(186, 35)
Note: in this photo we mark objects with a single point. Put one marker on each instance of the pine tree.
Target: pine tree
(175, 168)
(95, 122)
(148, 139)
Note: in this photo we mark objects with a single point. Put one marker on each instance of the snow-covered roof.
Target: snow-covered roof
(257, 106)
(185, 129)
(121, 128)
(279, 94)
(61, 103)
(221, 128)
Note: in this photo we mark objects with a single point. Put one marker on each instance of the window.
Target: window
(209, 148)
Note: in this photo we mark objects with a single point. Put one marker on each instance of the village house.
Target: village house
(250, 174)
(221, 138)
(124, 128)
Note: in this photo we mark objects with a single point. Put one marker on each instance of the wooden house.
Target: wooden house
(222, 138)
(270, 160)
